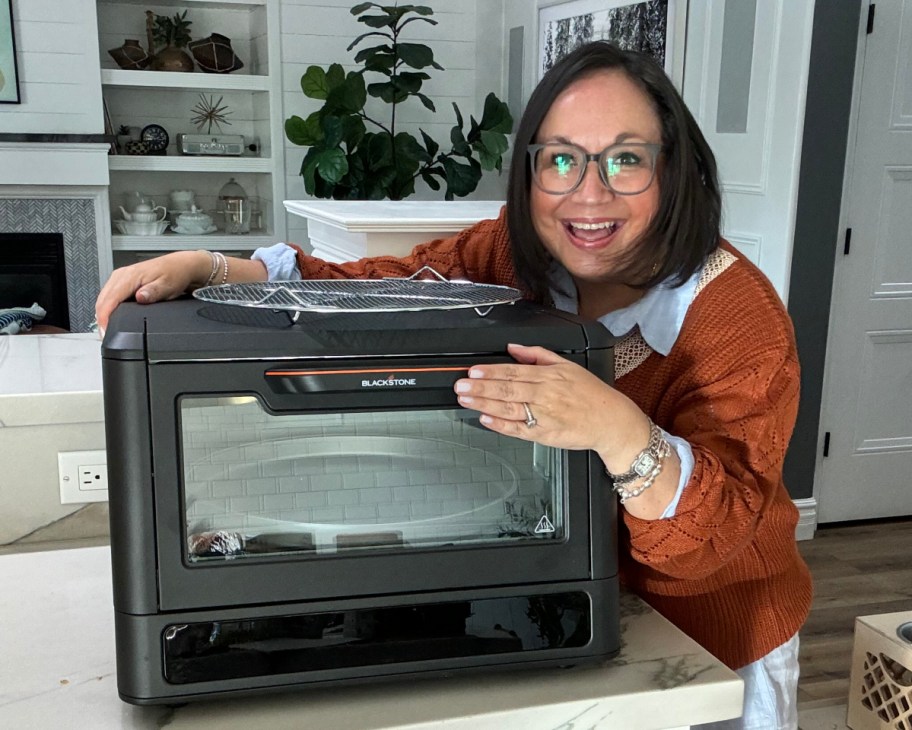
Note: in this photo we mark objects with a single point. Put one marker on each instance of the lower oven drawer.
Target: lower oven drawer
(200, 655)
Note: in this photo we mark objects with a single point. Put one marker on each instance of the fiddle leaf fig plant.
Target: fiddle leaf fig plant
(354, 156)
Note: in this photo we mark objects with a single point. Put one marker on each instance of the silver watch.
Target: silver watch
(647, 460)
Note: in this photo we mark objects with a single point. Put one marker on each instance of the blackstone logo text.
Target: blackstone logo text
(390, 381)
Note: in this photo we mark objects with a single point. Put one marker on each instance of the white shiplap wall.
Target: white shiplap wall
(59, 78)
(317, 32)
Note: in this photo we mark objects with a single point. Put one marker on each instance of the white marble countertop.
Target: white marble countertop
(41, 364)
(57, 645)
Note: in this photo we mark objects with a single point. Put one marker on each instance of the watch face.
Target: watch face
(156, 137)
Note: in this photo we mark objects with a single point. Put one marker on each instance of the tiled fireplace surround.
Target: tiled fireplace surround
(59, 184)
(72, 212)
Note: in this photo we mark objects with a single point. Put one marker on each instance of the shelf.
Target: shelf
(171, 80)
(178, 163)
(176, 242)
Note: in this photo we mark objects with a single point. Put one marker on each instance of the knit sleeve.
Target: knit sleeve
(480, 253)
(736, 405)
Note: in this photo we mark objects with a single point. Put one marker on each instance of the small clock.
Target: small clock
(156, 137)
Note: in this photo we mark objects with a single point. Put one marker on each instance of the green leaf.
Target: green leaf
(496, 116)
(353, 131)
(427, 102)
(380, 150)
(416, 55)
(309, 169)
(332, 164)
(458, 141)
(386, 20)
(388, 92)
(430, 145)
(332, 131)
(409, 81)
(314, 83)
(461, 179)
(367, 53)
(494, 142)
(335, 76)
(348, 98)
(418, 9)
(380, 64)
(430, 180)
(304, 132)
(361, 7)
(367, 35)
(409, 153)
(458, 116)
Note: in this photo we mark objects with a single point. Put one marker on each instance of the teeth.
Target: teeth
(608, 225)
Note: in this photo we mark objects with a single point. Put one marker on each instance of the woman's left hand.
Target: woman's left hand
(572, 408)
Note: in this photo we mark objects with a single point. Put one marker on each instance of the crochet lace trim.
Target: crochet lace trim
(633, 350)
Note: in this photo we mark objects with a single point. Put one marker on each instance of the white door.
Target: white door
(867, 397)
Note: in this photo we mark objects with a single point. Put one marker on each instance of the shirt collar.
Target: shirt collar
(659, 314)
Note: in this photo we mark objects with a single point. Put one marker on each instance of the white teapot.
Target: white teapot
(194, 221)
(145, 213)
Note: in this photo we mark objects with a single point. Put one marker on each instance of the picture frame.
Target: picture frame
(658, 27)
(9, 72)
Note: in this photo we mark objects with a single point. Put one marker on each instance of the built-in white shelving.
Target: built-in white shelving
(252, 96)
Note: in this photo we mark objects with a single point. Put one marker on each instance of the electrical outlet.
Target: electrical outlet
(83, 476)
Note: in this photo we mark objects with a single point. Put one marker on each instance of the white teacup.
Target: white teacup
(181, 199)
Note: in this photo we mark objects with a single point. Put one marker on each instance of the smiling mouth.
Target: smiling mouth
(599, 232)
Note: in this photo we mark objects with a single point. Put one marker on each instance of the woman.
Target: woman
(613, 212)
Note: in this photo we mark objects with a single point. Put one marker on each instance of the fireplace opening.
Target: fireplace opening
(32, 269)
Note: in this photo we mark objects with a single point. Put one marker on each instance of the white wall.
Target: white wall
(59, 77)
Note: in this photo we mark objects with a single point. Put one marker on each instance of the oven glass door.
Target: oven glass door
(263, 484)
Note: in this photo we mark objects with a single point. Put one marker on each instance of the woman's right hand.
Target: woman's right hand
(156, 280)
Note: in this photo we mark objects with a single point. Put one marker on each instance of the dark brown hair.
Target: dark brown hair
(685, 229)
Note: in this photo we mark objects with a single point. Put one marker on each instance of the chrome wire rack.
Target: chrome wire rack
(411, 294)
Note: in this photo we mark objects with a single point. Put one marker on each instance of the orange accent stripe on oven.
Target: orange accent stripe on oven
(280, 373)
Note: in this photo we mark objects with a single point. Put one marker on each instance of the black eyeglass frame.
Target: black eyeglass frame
(653, 147)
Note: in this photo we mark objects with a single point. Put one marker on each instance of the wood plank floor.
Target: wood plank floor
(859, 569)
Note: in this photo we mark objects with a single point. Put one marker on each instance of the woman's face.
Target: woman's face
(587, 229)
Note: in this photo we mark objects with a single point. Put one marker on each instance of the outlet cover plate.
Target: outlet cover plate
(83, 476)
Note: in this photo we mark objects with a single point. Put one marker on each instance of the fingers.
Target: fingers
(534, 355)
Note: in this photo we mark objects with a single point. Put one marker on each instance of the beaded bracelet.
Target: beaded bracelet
(219, 261)
(647, 466)
(663, 451)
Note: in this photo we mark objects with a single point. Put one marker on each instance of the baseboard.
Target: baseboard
(807, 518)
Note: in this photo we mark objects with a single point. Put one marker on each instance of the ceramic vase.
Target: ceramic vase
(130, 55)
(215, 54)
(172, 59)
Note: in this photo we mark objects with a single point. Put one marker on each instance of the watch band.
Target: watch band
(647, 460)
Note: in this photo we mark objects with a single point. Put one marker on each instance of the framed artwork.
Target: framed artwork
(9, 78)
(656, 27)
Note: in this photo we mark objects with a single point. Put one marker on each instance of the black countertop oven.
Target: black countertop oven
(300, 503)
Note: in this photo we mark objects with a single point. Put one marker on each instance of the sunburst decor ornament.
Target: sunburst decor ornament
(209, 113)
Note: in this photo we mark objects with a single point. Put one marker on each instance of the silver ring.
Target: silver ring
(530, 419)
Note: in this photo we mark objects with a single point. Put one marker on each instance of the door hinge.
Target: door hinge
(870, 28)
(826, 444)
(848, 242)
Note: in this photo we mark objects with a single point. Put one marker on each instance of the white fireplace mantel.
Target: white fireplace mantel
(54, 163)
(346, 230)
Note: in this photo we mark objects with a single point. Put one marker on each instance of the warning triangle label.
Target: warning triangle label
(544, 525)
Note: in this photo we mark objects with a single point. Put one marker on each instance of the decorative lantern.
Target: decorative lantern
(234, 208)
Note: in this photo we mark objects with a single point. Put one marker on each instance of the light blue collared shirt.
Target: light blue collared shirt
(659, 314)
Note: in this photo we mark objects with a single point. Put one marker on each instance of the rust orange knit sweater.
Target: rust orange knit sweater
(725, 569)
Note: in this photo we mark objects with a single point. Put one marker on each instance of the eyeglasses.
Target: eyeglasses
(627, 168)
